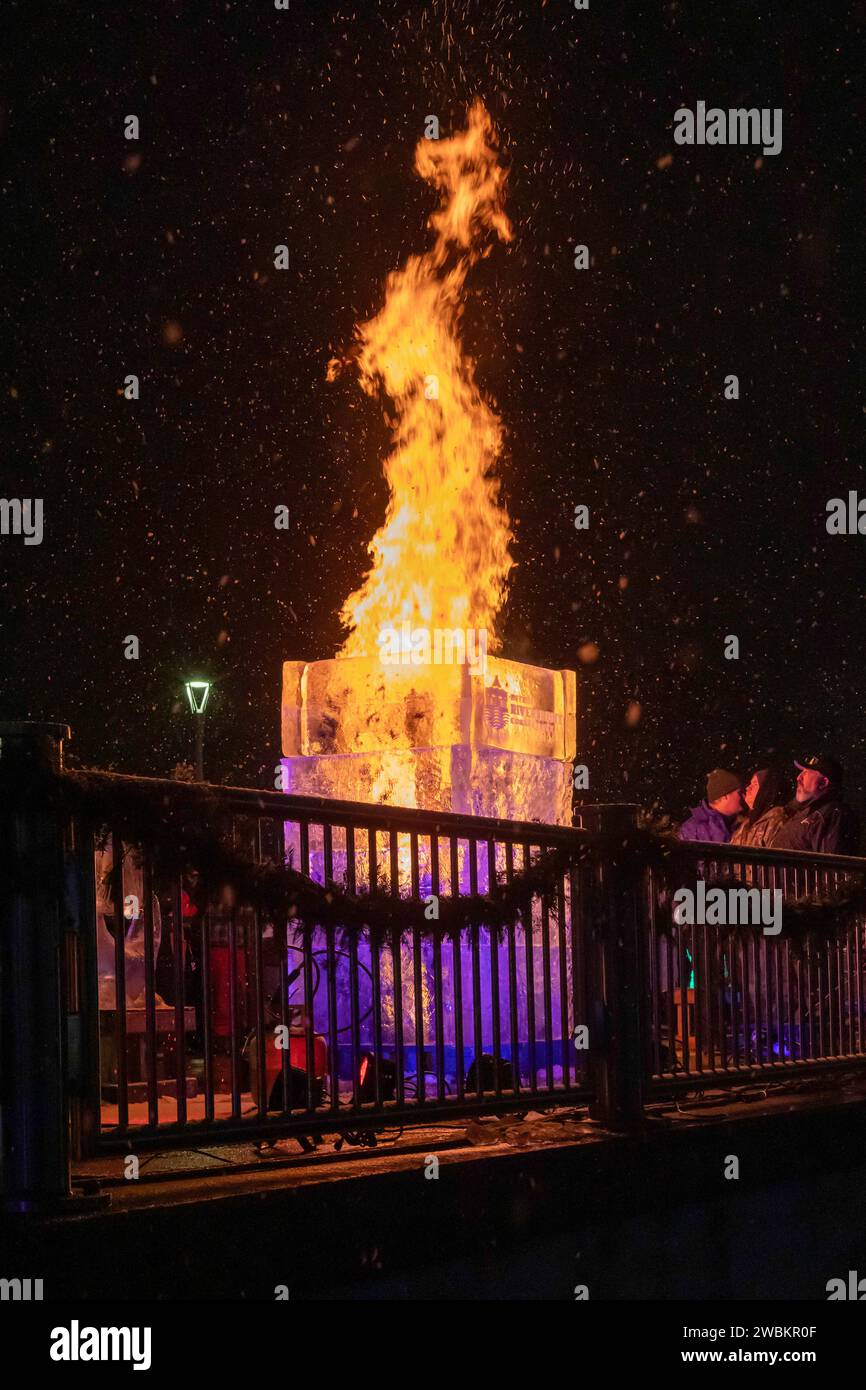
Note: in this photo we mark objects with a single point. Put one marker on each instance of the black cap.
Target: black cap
(819, 762)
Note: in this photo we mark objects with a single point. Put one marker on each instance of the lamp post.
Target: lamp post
(197, 693)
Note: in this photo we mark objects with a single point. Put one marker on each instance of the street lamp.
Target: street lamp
(197, 693)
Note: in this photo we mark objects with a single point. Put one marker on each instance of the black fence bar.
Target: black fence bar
(457, 976)
(34, 1081)
(259, 1000)
(115, 889)
(494, 978)
(579, 931)
(376, 972)
(376, 996)
(148, 908)
(179, 954)
(528, 931)
(438, 986)
(858, 991)
(87, 1122)
(417, 976)
(205, 1016)
(547, 993)
(396, 942)
(234, 1042)
(737, 997)
(333, 1035)
(513, 987)
(689, 998)
(309, 1038)
(307, 946)
(354, 1021)
(620, 1071)
(475, 948)
(331, 962)
(283, 1015)
(563, 982)
(653, 972)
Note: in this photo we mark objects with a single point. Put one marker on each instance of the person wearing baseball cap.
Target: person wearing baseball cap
(818, 820)
(714, 819)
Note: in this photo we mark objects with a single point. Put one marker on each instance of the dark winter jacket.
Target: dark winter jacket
(706, 824)
(824, 825)
(760, 833)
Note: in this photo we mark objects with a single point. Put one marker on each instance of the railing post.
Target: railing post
(617, 926)
(34, 1104)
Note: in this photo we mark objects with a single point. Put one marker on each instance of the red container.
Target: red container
(274, 1058)
(220, 972)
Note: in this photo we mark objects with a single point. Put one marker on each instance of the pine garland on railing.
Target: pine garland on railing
(181, 823)
(808, 919)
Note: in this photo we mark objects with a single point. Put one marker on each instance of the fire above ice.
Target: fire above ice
(441, 558)
(416, 710)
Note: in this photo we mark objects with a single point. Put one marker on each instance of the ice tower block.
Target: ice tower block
(493, 742)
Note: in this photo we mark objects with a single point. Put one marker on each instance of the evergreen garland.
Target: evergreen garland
(188, 825)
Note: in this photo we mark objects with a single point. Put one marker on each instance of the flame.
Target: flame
(441, 559)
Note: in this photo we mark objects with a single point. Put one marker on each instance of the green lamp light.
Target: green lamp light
(197, 693)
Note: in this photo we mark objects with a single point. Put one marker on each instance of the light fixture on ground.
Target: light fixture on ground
(197, 693)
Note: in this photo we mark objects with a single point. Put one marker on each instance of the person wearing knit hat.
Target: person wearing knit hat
(714, 819)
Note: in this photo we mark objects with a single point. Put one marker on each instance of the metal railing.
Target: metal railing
(241, 1021)
(146, 1001)
(726, 1001)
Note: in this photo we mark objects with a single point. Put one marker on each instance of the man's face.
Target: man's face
(750, 795)
(730, 803)
(811, 783)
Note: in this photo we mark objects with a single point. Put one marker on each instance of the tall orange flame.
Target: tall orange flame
(441, 559)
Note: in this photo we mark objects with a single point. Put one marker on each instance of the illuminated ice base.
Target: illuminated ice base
(496, 743)
(470, 781)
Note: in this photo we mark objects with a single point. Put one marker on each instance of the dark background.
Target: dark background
(260, 127)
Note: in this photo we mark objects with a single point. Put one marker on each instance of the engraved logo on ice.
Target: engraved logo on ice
(438, 646)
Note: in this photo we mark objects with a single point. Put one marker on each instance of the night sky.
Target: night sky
(261, 127)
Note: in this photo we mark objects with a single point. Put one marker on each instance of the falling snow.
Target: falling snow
(156, 257)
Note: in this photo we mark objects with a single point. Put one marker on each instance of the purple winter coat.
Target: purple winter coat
(706, 824)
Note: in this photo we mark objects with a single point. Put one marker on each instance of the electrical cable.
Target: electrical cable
(323, 952)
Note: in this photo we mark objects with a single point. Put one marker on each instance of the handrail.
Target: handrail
(291, 807)
(760, 853)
